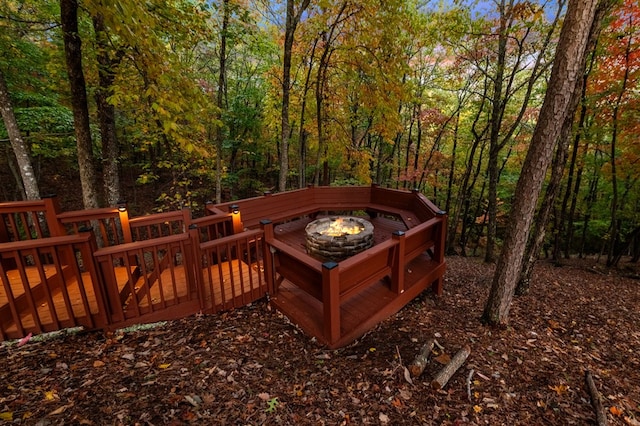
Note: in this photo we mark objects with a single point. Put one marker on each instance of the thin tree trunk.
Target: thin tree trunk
(106, 115)
(73, 56)
(567, 68)
(222, 81)
(20, 149)
(292, 20)
(614, 174)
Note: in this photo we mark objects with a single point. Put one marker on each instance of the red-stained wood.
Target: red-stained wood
(171, 265)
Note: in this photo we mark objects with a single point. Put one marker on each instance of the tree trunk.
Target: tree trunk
(553, 188)
(20, 149)
(73, 56)
(567, 68)
(106, 115)
(292, 20)
(222, 81)
(614, 227)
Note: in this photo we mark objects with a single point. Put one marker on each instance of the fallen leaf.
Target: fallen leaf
(97, 363)
(51, 395)
(384, 419)
(6, 416)
(631, 422)
(25, 339)
(164, 366)
(264, 396)
(477, 408)
(407, 375)
(59, 410)
(559, 389)
(615, 411)
(443, 359)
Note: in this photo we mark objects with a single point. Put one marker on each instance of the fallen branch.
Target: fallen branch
(420, 362)
(469, 377)
(596, 399)
(443, 376)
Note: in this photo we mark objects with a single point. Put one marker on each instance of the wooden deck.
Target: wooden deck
(360, 312)
(241, 285)
(100, 268)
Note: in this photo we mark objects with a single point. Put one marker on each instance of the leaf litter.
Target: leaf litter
(252, 366)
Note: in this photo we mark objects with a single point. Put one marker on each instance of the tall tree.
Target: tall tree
(292, 20)
(20, 149)
(73, 56)
(106, 111)
(568, 67)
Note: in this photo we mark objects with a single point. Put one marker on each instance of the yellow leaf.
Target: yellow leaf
(372, 349)
(615, 411)
(559, 389)
(7, 416)
(50, 395)
(477, 408)
(164, 366)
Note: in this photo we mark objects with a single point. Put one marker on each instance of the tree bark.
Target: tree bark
(106, 115)
(292, 20)
(20, 149)
(566, 70)
(73, 56)
(553, 188)
(442, 378)
(422, 359)
(222, 78)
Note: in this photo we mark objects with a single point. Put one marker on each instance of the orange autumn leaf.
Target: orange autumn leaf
(615, 411)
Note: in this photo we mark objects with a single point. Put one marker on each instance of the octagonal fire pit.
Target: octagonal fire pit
(336, 238)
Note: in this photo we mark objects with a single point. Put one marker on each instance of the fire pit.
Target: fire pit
(336, 238)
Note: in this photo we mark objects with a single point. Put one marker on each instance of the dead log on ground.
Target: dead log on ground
(420, 362)
(596, 399)
(443, 376)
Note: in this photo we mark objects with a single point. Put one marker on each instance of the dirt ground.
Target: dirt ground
(252, 366)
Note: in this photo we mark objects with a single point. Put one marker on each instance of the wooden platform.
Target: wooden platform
(361, 312)
(227, 285)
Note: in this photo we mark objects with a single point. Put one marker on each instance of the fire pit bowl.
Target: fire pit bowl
(338, 237)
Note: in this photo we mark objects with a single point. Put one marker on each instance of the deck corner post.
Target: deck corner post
(52, 210)
(92, 266)
(267, 228)
(397, 271)
(331, 301)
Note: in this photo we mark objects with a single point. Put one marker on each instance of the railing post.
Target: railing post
(397, 271)
(269, 268)
(236, 219)
(91, 265)
(196, 267)
(439, 249)
(52, 210)
(331, 301)
(123, 215)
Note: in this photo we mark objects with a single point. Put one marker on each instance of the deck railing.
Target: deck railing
(51, 285)
(334, 283)
(115, 270)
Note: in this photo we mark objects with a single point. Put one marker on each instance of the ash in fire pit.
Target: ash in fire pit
(336, 238)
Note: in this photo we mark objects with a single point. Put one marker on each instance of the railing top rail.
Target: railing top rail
(90, 214)
(19, 206)
(301, 257)
(211, 219)
(231, 238)
(358, 259)
(43, 242)
(137, 245)
(159, 217)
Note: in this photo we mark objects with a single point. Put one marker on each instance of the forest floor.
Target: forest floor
(252, 366)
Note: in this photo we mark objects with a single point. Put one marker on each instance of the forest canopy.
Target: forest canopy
(189, 101)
